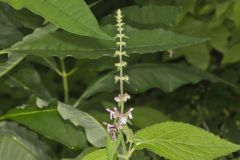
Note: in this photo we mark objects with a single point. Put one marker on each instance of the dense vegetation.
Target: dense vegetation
(57, 79)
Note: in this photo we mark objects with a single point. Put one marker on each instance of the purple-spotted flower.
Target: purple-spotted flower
(113, 130)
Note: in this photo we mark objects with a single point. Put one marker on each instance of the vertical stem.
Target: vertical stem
(65, 81)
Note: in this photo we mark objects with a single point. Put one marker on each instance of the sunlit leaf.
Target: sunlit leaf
(75, 17)
(174, 140)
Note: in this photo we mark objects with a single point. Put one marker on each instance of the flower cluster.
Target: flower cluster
(120, 118)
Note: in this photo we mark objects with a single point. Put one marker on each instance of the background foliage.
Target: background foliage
(51, 42)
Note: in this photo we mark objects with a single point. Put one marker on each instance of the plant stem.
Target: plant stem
(65, 80)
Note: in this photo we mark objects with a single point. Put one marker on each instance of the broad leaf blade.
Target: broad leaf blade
(48, 123)
(95, 133)
(27, 77)
(46, 42)
(73, 16)
(145, 16)
(174, 140)
(100, 154)
(166, 77)
(112, 146)
(18, 143)
(12, 61)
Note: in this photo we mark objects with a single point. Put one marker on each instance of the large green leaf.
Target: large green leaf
(236, 10)
(232, 55)
(154, 116)
(198, 55)
(95, 133)
(27, 77)
(9, 33)
(48, 123)
(20, 144)
(174, 140)
(167, 77)
(73, 16)
(100, 154)
(46, 42)
(145, 17)
(12, 61)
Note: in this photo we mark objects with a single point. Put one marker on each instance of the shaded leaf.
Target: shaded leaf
(166, 77)
(9, 33)
(18, 143)
(28, 78)
(145, 17)
(75, 17)
(48, 123)
(174, 140)
(232, 55)
(153, 116)
(95, 133)
(46, 42)
(12, 61)
(236, 10)
(197, 55)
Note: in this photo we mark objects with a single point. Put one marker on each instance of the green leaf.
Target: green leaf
(112, 146)
(197, 55)
(129, 133)
(100, 154)
(48, 123)
(232, 55)
(46, 42)
(141, 119)
(174, 140)
(27, 77)
(20, 144)
(95, 133)
(222, 7)
(12, 61)
(145, 17)
(236, 10)
(9, 33)
(74, 16)
(166, 77)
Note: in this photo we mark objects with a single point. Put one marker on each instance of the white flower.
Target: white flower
(122, 98)
(122, 118)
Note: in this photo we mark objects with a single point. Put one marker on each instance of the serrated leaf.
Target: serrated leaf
(18, 143)
(95, 133)
(128, 133)
(46, 42)
(174, 140)
(48, 123)
(166, 77)
(73, 16)
(100, 154)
